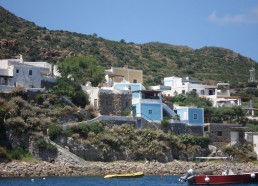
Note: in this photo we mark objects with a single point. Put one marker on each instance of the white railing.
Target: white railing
(6, 88)
(49, 79)
(151, 101)
(6, 72)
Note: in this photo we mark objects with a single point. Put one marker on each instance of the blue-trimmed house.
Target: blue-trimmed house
(148, 105)
(191, 116)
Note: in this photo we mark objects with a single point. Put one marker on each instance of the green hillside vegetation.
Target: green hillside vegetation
(157, 60)
(22, 119)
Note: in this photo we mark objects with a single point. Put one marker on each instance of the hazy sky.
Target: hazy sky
(231, 24)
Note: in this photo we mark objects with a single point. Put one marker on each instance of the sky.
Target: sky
(231, 24)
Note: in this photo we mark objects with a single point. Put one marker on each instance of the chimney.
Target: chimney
(21, 59)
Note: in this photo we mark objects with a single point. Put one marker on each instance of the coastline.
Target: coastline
(44, 169)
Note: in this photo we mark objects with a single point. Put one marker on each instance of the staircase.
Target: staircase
(168, 110)
(68, 101)
(66, 156)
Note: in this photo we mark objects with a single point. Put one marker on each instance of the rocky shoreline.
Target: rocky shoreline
(44, 169)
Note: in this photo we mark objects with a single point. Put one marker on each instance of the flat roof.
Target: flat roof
(147, 91)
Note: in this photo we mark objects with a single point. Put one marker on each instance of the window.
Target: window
(108, 103)
(150, 111)
(121, 79)
(211, 92)
(30, 72)
(5, 81)
(17, 71)
(135, 81)
(126, 103)
(183, 91)
(195, 116)
(219, 133)
(202, 92)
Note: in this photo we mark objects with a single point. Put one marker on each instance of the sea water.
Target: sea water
(96, 181)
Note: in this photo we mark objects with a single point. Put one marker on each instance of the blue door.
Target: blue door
(139, 123)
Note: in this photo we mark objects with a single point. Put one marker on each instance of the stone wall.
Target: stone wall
(42, 154)
(62, 155)
(219, 134)
(114, 103)
(180, 128)
(17, 138)
(44, 169)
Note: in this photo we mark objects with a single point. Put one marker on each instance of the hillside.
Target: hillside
(157, 60)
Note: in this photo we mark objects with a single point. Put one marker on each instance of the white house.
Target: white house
(222, 97)
(183, 85)
(219, 94)
(16, 72)
(252, 137)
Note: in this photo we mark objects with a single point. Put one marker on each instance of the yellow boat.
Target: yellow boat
(127, 175)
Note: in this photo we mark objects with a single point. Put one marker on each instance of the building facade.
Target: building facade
(148, 105)
(118, 75)
(224, 134)
(114, 102)
(191, 116)
(16, 72)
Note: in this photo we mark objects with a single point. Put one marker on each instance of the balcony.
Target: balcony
(7, 72)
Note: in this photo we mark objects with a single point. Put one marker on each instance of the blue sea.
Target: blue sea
(96, 181)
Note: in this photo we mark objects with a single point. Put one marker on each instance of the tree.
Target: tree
(191, 99)
(82, 69)
(71, 89)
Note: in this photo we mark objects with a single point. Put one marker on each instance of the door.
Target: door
(234, 136)
(139, 123)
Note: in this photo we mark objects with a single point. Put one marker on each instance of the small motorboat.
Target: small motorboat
(227, 177)
(194, 179)
(126, 175)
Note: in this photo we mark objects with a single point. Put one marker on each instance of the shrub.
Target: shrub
(139, 153)
(54, 131)
(39, 98)
(242, 153)
(201, 141)
(17, 153)
(84, 130)
(126, 112)
(26, 113)
(16, 123)
(80, 98)
(19, 91)
(110, 139)
(33, 122)
(165, 125)
(3, 153)
(96, 127)
(67, 110)
(194, 140)
(43, 145)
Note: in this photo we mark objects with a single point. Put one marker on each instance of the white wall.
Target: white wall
(93, 94)
(22, 77)
(252, 137)
(255, 144)
(45, 65)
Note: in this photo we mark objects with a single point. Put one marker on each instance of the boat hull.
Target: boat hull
(223, 179)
